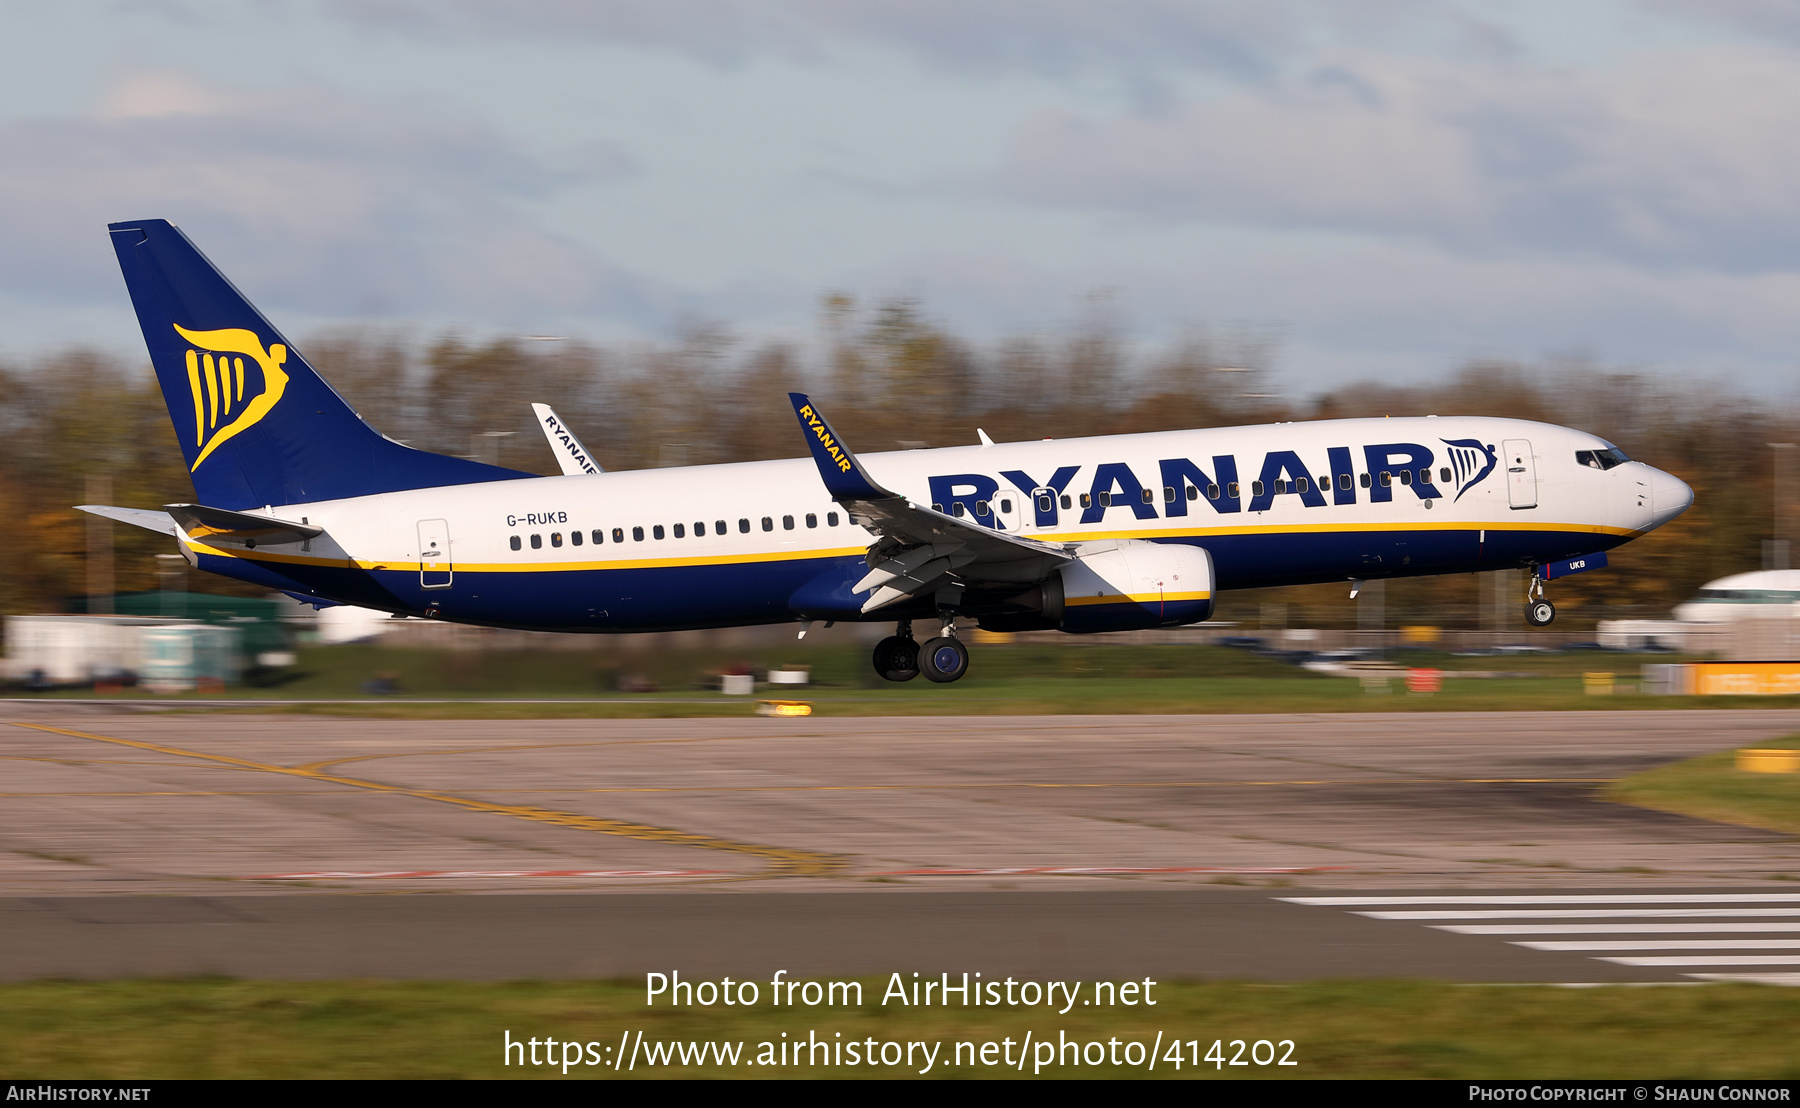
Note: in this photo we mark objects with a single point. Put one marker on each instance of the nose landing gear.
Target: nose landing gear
(1538, 611)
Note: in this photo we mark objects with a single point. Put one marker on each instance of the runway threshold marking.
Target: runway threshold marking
(1628, 919)
(782, 861)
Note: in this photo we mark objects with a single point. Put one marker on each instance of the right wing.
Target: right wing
(919, 549)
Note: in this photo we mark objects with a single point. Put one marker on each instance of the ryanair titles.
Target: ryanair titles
(829, 444)
(1185, 484)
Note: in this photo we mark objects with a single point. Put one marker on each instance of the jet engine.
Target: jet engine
(1128, 585)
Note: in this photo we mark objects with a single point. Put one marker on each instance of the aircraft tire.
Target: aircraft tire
(943, 660)
(897, 659)
(1539, 613)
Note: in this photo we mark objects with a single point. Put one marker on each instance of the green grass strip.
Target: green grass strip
(1712, 787)
(246, 1029)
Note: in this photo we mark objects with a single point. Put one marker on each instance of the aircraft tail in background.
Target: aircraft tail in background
(256, 424)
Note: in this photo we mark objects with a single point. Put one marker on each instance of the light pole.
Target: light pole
(1777, 555)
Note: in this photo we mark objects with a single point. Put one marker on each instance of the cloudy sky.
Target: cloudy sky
(1391, 186)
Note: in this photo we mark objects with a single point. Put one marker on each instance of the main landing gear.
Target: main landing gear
(1538, 611)
(942, 659)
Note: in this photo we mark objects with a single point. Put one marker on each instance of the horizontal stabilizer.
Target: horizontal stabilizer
(201, 522)
(160, 522)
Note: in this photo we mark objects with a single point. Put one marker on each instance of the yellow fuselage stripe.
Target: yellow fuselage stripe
(852, 551)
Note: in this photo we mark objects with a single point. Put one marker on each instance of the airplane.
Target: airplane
(1123, 532)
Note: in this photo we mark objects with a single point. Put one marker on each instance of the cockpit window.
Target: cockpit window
(1601, 459)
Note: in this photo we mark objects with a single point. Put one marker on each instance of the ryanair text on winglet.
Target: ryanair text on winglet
(818, 428)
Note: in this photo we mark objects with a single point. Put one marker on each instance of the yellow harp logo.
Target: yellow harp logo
(216, 379)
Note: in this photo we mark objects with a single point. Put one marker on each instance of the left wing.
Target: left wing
(919, 549)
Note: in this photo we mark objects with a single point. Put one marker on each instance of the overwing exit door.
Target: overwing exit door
(1521, 474)
(434, 554)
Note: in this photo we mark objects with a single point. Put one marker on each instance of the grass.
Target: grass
(1003, 680)
(1712, 787)
(243, 1029)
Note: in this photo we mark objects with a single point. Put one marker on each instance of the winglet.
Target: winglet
(844, 476)
(574, 458)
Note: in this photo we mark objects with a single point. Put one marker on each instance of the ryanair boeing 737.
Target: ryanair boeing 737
(1117, 533)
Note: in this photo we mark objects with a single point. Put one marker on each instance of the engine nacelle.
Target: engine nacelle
(1136, 585)
(1130, 585)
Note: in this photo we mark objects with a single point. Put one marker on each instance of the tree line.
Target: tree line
(891, 378)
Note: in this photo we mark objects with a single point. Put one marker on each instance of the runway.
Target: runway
(1095, 828)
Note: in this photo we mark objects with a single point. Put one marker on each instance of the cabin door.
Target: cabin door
(1521, 474)
(1009, 505)
(434, 554)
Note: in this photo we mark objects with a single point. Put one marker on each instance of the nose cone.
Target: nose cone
(1669, 497)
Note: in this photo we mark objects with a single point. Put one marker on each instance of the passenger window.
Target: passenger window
(1231, 489)
(680, 531)
(1212, 492)
(1256, 488)
(981, 507)
(1065, 501)
(956, 509)
(599, 536)
(1148, 496)
(637, 534)
(656, 532)
(1343, 480)
(1006, 505)
(1280, 485)
(1301, 485)
(537, 542)
(718, 527)
(937, 507)
(1386, 479)
(556, 538)
(1045, 503)
(787, 523)
(619, 534)
(743, 527)
(1406, 477)
(768, 523)
(831, 519)
(514, 542)
(1168, 494)
(699, 528)
(1425, 476)
(812, 520)
(574, 538)
(1365, 480)
(1444, 474)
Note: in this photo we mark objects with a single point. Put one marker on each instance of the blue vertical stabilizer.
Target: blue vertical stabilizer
(256, 424)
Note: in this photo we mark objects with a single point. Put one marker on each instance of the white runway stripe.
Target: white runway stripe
(1788, 979)
(1612, 928)
(1665, 944)
(1711, 960)
(1587, 913)
(1596, 898)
